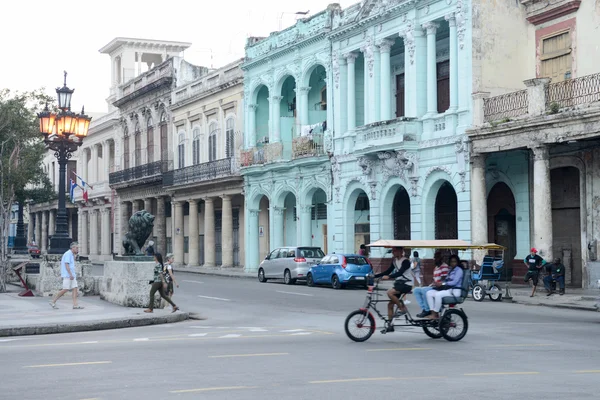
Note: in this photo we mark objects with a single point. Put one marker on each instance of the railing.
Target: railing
(387, 133)
(155, 169)
(505, 106)
(199, 173)
(308, 146)
(252, 156)
(573, 92)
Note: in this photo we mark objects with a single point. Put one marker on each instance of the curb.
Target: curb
(565, 306)
(218, 273)
(100, 325)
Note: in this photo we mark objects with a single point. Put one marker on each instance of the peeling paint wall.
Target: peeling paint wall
(587, 38)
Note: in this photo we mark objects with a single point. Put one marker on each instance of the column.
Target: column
(44, 243)
(370, 98)
(227, 232)
(453, 63)
(252, 244)
(135, 206)
(106, 160)
(83, 241)
(105, 228)
(431, 28)
(209, 232)
(84, 161)
(38, 229)
(341, 99)
(251, 138)
(148, 205)
(194, 234)
(30, 226)
(542, 200)
(178, 234)
(275, 103)
(94, 175)
(160, 226)
(386, 80)
(479, 217)
(351, 59)
(124, 223)
(94, 232)
(302, 94)
(306, 222)
(51, 222)
(276, 218)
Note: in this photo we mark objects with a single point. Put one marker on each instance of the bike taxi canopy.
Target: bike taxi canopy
(436, 244)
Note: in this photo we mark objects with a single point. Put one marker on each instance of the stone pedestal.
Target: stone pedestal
(49, 281)
(126, 283)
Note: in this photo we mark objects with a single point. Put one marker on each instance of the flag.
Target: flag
(83, 183)
(72, 191)
(85, 196)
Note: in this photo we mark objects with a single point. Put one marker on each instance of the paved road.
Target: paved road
(272, 341)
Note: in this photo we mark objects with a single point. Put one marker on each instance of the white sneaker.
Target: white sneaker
(52, 304)
(407, 301)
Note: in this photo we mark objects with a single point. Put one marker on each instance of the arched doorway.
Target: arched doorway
(446, 213)
(502, 222)
(290, 218)
(318, 219)
(566, 222)
(362, 221)
(401, 214)
(264, 247)
(287, 111)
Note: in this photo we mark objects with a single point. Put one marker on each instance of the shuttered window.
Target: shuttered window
(556, 58)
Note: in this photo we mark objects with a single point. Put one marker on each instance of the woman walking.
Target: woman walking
(169, 276)
(159, 284)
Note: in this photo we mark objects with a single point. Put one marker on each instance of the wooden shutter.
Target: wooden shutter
(150, 145)
(556, 57)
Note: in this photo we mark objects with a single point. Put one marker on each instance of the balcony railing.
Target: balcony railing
(308, 146)
(379, 135)
(252, 156)
(505, 106)
(574, 92)
(199, 173)
(147, 172)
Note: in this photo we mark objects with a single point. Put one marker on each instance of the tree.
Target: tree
(21, 154)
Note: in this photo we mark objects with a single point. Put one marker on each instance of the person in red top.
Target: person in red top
(440, 273)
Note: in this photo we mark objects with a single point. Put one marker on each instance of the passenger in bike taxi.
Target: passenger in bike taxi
(450, 287)
(401, 271)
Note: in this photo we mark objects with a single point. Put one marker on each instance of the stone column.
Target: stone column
(209, 232)
(227, 232)
(44, 244)
(160, 226)
(251, 137)
(52, 222)
(252, 245)
(83, 241)
(148, 205)
(194, 252)
(30, 226)
(95, 167)
(542, 200)
(302, 93)
(84, 161)
(178, 233)
(105, 228)
(351, 59)
(536, 96)
(386, 80)
(479, 217)
(276, 236)
(342, 108)
(275, 103)
(369, 85)
(306, 222)
(135, 206)
(431, 28)
(106, 160)
(94, 232)
(451, 18)
(124, 224)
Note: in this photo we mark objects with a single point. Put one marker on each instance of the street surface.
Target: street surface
(272, 341)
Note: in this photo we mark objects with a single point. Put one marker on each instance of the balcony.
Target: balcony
(302, 147)
(101, 190)
(308, 146)
(387, 135)
(147, 173)
(199, 173)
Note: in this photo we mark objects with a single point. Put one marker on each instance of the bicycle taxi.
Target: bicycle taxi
(452, 324)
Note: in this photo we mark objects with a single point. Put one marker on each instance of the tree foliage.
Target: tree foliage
(21, 154)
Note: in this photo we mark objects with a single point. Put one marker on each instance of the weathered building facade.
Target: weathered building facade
(535, 143)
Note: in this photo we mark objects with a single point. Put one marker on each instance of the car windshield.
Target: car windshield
(356, 260)
(311, 252)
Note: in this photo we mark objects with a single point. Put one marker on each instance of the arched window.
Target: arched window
(164, 140)
(196, 146)
(212, 141)
(229, 138)
(150, 140)
(181, 150)
(138, 144)
(126, 148)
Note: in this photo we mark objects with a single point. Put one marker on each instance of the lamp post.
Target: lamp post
(63, 133)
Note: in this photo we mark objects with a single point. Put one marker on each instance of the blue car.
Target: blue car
(340, 270)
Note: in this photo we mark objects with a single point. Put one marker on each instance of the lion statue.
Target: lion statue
(140, 227)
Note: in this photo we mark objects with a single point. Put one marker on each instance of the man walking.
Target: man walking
(67, 272)
(534, 265)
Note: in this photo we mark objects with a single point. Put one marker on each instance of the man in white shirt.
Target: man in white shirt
(67, 272)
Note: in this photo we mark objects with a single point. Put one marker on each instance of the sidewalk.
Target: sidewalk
(578, 299)
(34, 316)
(227, 272)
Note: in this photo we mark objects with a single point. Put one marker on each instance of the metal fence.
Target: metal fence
(155, 169)
(573, 92)
(307, 146)
(505, 106)
(199, 172)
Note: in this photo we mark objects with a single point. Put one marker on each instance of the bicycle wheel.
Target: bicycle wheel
(432, 332)
(454, 325)
(359, 325)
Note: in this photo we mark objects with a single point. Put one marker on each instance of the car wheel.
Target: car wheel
(335, 282)
(309, 280)
(287, 278)
(261, 276)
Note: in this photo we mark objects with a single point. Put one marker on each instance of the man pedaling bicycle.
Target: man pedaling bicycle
(402, 273)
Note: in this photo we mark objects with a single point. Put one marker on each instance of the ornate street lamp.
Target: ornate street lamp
(63, 133)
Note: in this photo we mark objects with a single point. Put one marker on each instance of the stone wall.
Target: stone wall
(48, 282)
(126, 283)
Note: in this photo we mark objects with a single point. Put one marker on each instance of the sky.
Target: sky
(41, 39)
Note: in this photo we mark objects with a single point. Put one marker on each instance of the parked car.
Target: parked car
(289, 263)
(341, 270)
(34, 251)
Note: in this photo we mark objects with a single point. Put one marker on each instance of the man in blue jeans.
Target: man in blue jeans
(557, 274)
(440, 273)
